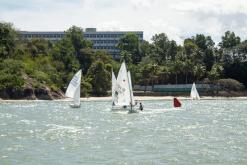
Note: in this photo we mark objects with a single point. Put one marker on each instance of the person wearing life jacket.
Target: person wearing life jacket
(141, 107)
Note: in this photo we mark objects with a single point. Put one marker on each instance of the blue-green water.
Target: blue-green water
(49, 132)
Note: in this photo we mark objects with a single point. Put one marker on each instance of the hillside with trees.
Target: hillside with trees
(40, 69)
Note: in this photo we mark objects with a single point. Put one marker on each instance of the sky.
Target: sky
(179, 19)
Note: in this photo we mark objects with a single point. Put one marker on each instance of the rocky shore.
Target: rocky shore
(43, 93)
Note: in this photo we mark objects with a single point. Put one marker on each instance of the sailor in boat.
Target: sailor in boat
(141, 107)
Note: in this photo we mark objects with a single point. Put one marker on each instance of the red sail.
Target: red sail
(176, 103)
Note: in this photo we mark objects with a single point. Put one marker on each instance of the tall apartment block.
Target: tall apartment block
(102, 40)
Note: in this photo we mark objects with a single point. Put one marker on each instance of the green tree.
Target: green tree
(64, 51)
(103, 56)
(130, 43)
(75, 36)
(163, 74)
(86, 87)
(164, 49)
(177, 68)
(8, 39)
(229, 40)
(209, 59)
(173, 50)
(145, 49)
(38, 46)
(189, 47)
(11, 74)
(86, 57)
(215, 72)
(126, 56)
(199, 71)
(203, 42)
(154, 72)
(100, 78)
(144, 75)
(200, 49)
(187, 65)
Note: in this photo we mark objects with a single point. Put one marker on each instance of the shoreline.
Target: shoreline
(141, 98)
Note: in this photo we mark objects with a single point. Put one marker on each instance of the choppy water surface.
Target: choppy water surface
(49, 132)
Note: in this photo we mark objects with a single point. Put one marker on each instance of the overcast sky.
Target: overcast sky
(179, 19)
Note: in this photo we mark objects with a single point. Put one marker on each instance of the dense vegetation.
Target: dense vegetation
(39, 63)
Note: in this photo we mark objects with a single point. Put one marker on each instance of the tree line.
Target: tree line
(38, 62)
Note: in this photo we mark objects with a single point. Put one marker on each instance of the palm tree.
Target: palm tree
(199, 71)
(153, 68)
(163, 73)
(187, 65)
(126, 56)
(177, 68)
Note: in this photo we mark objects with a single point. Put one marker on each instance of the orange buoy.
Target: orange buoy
(176, 103)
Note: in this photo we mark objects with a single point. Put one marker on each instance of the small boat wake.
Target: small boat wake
(160, 110)
(149, 111)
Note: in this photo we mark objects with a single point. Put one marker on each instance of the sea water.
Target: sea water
(50, 132)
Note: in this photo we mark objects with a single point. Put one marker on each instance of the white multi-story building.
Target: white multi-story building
(102, 40)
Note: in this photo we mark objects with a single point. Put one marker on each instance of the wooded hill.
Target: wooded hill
(40, 69)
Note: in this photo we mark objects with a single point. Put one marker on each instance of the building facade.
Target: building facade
(102, 40)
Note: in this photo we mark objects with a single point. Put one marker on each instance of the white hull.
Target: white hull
(75, 106)
(134, 109)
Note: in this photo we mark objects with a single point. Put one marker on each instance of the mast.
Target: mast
(130, 88)
(114, 81)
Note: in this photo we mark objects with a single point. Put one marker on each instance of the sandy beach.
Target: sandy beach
(136, 98)
(165, 98)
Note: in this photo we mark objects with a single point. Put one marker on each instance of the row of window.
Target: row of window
(105, 41)
(107, 35)
(43, 35)
(104, 47)
(85, 35)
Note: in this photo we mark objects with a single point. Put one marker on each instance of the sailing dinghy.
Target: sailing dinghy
(114, 82)
(122, 93)
(74, 89)
(133, 107)
(194, 95)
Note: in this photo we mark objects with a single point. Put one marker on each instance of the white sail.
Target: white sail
(131, 89)
(113, 88)
(77, 96)
(74, 88)
(122, 87)
(194, 94)
(132, 102)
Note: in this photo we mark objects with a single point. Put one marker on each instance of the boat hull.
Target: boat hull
(75, 106)
(134, 109)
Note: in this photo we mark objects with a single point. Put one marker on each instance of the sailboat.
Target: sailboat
(122, 93)
(194, 94)
(133, 108)
(114, 82)
(74, 89)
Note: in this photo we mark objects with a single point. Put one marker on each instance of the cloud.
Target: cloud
(179, 19)
(216, 17)
(212, 6)
(110, 26)
(160, 25)
(140, 4)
